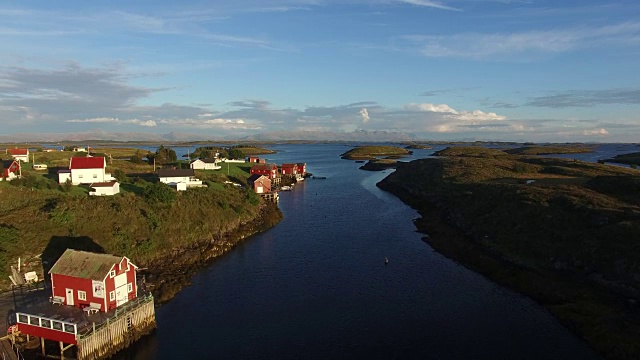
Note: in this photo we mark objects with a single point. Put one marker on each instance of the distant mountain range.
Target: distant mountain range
(101, 135)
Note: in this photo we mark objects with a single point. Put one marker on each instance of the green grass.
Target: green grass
(126, 224)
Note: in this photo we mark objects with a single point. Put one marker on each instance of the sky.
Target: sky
(507, 70)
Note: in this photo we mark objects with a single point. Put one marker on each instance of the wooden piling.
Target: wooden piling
(119, 332)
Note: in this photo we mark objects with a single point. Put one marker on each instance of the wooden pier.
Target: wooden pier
(125, 327)
(7, 351)
(272, 196)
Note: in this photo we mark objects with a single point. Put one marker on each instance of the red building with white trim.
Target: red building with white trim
(261, 184)
(11, 169)
(302, 168)
(289, 169)
(269, 170)
(83, 279)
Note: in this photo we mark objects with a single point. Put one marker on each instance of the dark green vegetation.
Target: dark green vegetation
(372, 152)
(170, 233)
(563, 232)
(379, 164)
(546, 150)
(418, 146)
(632, 159)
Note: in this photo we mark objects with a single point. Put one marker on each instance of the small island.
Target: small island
(419, 146)
(550, 149)
(371, 152)
(561, 231)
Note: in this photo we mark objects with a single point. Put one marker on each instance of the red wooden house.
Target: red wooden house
(101, 281)
(269, 170)
(302, 168)
(261, 184)
(289, 169)
(11, 169)
(254, 159)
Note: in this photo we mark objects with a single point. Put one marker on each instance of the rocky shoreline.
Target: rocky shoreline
(607, 320)
(166, 277)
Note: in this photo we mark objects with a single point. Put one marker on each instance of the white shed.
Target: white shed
(104, 188)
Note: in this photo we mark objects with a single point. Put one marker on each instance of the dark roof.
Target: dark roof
(255, 177)
(264, 167)
(84, 265)
(209, 161)
(289, 165)
(176, 172)
(96, 162)
(103, 184)
(7, 163)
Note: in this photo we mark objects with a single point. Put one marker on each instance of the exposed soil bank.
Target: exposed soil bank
(167, 277)
(602, 313)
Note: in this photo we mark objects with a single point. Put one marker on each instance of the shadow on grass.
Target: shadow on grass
(138, 190)
(59, 244)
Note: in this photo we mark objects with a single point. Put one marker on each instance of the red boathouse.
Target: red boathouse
(82, 279)
(269, 170)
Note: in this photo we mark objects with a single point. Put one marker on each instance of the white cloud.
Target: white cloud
(500, 45)
(478, 115)
(595, 132)
(428, 3)
(441, 108)
(450, 113)
(364, 114)
(108, 120)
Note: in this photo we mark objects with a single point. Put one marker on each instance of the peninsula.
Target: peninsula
(561, 231)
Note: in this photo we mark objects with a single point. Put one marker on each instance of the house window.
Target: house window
(130, 287)
(82, 295)
(112, 296)
(112, 273)
(95, 176)
(80, 176)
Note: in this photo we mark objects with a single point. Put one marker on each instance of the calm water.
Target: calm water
(316, 287)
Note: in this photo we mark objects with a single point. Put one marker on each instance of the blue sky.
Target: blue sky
(507, 70)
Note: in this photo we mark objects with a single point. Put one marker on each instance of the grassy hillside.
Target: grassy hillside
(372, 152)
(564, 232)
(147, 221)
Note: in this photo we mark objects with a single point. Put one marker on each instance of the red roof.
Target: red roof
(289, 166)
(18, 151)
(87, 163)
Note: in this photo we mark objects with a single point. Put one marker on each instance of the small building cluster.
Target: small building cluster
(265, 176)
(180, 179)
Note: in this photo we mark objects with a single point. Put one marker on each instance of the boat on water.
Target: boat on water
(286, 188)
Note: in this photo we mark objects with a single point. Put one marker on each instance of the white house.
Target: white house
(104, 188)
(181, 179)
(85, 170)
(19, 154)
(205, 164)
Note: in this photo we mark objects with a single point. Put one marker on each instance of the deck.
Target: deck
(6, 350)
